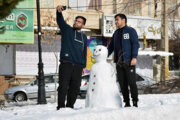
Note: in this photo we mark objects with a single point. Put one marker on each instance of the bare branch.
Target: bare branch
(174, 9)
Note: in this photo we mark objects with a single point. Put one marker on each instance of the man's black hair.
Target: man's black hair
(84, 19)
(122, 16)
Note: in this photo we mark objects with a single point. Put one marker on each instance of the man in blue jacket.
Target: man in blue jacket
(72, 57)
(125, 46)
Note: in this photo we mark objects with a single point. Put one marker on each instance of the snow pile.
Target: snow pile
(151, 107)
(144, 66)
(146, 82)
(145, 72)
(154, 53)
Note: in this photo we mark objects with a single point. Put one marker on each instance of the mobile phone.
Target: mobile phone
(64, 7)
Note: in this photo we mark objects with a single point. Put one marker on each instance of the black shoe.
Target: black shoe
(127, 104)
(135, 104)
(70, 106)
(57, 107)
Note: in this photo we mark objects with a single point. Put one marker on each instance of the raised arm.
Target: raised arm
(60, 19)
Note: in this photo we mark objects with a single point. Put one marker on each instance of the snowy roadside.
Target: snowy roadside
(151, 107)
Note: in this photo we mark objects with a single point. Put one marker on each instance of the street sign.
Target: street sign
(18, 26)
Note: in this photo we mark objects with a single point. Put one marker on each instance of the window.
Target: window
(84, 5)
(48, 79)
(133, 7)
(155, 7)
(95, 4)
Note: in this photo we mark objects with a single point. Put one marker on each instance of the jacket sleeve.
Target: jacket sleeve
(134, 43)
(111, 46)
(60, 21)
(85, 52)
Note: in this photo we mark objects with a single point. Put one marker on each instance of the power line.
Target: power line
(136, 2)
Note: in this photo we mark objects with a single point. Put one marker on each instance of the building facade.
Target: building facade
(138, 11)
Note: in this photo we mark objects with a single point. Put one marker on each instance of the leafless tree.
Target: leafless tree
(174, 43)
(49, 36)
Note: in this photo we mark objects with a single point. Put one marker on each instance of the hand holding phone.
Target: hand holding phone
(60, 8)
(64, 7)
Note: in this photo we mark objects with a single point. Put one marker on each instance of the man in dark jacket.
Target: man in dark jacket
(125, 46)
(72, 57)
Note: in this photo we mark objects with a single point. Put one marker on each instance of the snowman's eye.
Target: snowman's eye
(99, 49)
(94, 49)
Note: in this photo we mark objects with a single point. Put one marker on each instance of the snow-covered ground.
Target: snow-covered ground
(151, 107)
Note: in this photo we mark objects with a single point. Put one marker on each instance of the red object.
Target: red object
(85, 84)
(22, 18)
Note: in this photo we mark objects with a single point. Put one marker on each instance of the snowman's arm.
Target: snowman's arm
(91, 73)
(87, 100)
(113, 68)
(111, 46)
(88, 96)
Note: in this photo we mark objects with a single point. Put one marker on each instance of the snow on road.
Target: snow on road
(151, 107)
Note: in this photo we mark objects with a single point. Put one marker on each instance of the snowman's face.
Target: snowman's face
(100, 52)
(97, 51)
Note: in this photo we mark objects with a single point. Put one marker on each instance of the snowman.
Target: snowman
(102, 89)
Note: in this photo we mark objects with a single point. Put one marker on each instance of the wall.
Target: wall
(6, 60)
(27, 57)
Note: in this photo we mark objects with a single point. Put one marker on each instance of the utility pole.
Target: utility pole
(145, 42)
(164, 40)
(41, 84)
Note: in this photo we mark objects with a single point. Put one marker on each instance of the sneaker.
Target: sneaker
(135, 104)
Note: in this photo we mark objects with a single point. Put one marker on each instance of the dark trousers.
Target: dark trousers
(69, 84)
(126, 75)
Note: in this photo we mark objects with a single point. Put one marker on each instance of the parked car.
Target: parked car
(30, 90)
(84, 85)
